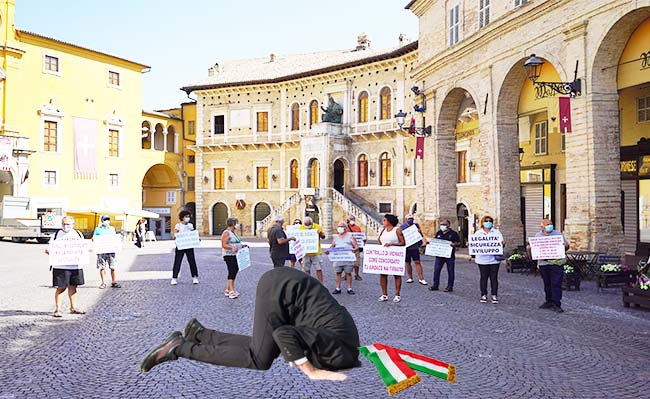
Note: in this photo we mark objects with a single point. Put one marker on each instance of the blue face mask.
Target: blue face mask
(443, 227)
(488, 225)
(309, 227)
(549, 228)
(187, 220)
(409, 222)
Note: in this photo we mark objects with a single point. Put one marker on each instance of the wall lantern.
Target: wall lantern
(400, 118)
(371, 173)
(472, 165)
(533, 67)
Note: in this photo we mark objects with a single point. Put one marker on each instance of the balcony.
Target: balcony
(19, 144)
(262, 140)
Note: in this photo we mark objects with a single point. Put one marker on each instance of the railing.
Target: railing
(353, 209)
(260, 138)
(18, 143)
(287, 204)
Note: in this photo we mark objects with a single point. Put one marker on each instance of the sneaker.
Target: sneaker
(383, 298)
(351, 292)
(192, 328)
(432, 288)
(483, 298)
(449, 289)
(397, 298)
(226, 293)
(494, 299)
(423, 282)
(409, 280)
(557, 309)
(195, 280)
(233, 295)
(546, 305)
(336, 291)
(162, 353)
(174, 281)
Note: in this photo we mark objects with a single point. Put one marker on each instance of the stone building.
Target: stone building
(262, 147)
(499, 146)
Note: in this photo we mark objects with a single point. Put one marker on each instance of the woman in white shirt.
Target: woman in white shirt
(488, 265)
(181, 227)
(391, 235)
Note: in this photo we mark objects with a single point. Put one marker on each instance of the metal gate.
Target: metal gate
(533, 208)
(630, 215)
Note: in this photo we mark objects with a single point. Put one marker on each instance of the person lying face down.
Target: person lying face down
(294, 316)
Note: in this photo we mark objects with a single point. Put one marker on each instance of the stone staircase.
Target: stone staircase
(355, 207)
(286, 205)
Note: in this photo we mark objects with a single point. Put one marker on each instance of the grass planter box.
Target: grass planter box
(571, 281)
(636, 297)
(606, 279)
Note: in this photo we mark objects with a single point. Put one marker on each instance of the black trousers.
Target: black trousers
(278, 262)
(178, 258)
(138, 240)
(233, 267)
(489, 272)
(552, 276)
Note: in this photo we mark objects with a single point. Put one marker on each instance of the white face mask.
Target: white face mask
(67, 228)
(341, 230)
(352, 222)
(106, 223)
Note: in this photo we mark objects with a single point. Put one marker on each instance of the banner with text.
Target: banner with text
(485, 245)
(384, 260)
(243, 258)
(344, 254)
(187, 240)
(361, 239)
(308, 238)
(440, 248)
(411, 235)
(68, 252)
(549, 247)
(107, 244)
(298, 249)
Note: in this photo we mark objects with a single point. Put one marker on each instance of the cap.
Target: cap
(105, 217)
(409, 216)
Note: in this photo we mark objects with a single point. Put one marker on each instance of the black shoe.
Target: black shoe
(557, 309)
(449, 289)
(546, 305)
(351, 292)
(358, 278)
(163, 353)
(432, 288)
(336, 291)
(192, 330)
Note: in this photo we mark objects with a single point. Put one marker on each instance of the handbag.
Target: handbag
(500, 258)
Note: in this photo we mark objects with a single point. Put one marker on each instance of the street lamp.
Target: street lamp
(533, 67)
(400, 117)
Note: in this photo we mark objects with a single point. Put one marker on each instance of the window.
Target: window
(190, 183)
(262, 177)
(363, 107)
(483, 13)
(113, 180)
(385, 207)
(113, 143)
(313, 113)
(461, 157)
(170, 197)
(51, 63)
(385, 176)
(191, 125)
(219, 124)
(262, 121)
(219, 178)
(384, 103)
(563, 141)
(643, 109)
(362, 167)
(294, 174)
(191, 158)
(520, 2)
(295, 117)
(49, 178)
(314, 174)
(49, 136)
(454, 25)
(541, 138)
(113, 78)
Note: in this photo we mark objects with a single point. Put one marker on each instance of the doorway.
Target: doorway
(219, 217)
(462, 215)
(339, 176)
(261, 211)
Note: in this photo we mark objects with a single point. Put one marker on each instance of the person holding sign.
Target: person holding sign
(413, 252)
(278, 242)
(181, 227)
(488, 264)
(344, 239)
(391, 235)
(230, 245)
(106, 261)
(447, 234)
(354, 228)
(66, 276)
(313, 259)
(552, 274)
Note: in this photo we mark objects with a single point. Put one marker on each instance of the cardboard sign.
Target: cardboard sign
(485, 245)
(68, 252)
(243, 258)
(361, 239)
(308, 238)
(440, 248)
(298, 249)
(384, 260)
(411, 235)
(107, 244)
(344, 254)
(187, 240)
(547, 247)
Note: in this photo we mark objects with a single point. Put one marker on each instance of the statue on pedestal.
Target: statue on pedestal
(333, 113)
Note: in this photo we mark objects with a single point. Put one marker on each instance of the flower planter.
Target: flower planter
(518, 265)
(636, 297)
(571, 281)
(607, 279)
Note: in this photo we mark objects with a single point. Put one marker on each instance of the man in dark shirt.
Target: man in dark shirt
(295, 316)
(278, 242)
(447, 234)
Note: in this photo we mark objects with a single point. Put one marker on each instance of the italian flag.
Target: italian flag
(397, 367)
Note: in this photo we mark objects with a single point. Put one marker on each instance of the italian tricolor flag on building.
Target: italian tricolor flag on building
(397, 367)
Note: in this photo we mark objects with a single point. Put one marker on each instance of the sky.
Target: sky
(180, 40)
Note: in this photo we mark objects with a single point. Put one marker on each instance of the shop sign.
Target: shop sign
(645, 60)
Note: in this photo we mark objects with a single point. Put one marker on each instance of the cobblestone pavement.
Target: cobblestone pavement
(597, 349)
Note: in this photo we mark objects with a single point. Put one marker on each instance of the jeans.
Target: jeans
(178, 258)
(552, 276)
(489, 272)
(439, 263)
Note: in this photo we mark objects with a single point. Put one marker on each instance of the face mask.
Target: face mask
(187, 219)
(488, 225)
(309, 227)
(443, 228)
(352, 222)
(549, 228)
(106, 223)
(341, 230)
(67, 228)
(409, 222)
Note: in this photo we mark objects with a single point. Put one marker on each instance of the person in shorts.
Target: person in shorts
(344, 239)
(106, 261)
(292, 257)
(66, 277)
(313, 259)
(353, 227)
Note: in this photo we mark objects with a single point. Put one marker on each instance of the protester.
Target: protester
(447, 234)
(292, 257)
(391, 235)
(294, 316)
(67, 276)
(278, 242)
(413, 252)
(230, 245)
(140, 231)
(343, 239)
(489, 264)
(182, 227)
(353, 227)
(552, 274)
(313, 259)
(106, 261)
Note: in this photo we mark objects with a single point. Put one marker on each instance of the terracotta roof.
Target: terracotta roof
(283, 68)
(161, 114)
(24, 32)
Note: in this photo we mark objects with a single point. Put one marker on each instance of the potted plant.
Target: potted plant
(638, 294)
(610, 274)
(516, 261)
(570, 279)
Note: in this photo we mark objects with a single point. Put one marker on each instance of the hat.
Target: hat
(105, 217)
(409, 216)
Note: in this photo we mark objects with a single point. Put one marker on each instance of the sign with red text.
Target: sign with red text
(548, 247)
(68, 252)
(298, 249)
(384, 260)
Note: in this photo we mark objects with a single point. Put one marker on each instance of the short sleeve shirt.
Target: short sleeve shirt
(184, 227)
(72, 235)
(101, 230)
(449, 235)
(278, 251)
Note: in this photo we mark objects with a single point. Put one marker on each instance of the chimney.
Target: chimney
(363, 42)
(272, 57)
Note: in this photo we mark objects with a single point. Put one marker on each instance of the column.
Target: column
(164, 139)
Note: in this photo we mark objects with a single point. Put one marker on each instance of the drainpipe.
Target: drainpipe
(4, 67)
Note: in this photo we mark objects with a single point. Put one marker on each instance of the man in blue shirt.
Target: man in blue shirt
(552, 274)
(106, 261)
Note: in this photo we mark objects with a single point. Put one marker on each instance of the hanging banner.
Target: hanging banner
(378, 259)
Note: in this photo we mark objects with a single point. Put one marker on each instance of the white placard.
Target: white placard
(440, 248)
(308, 238)
(411, 235)
(361, 239)
(298, 249)
(243, 258)
(341, 255)
(378, 259)
(68, 252)
(485, 245)
(107, 244)
(187, 240)
(547, 247)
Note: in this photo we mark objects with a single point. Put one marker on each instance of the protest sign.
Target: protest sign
(411, 235)
(187, 240)
(243, 258)
(384, 260)
(361, 239)
(308, 238)
(68, 252)
(298, 249)
(547, 247)
(107, 244)
(440, 248)
(485, 245)
(344, 254)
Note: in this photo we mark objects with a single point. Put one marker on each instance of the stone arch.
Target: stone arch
(146, 135)
(170, 139)
(6, 183)
(313, 173)
(340, 173)
(158, 137)
(362, 164)
(294, 173)
(260, 210)
(219, 213)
